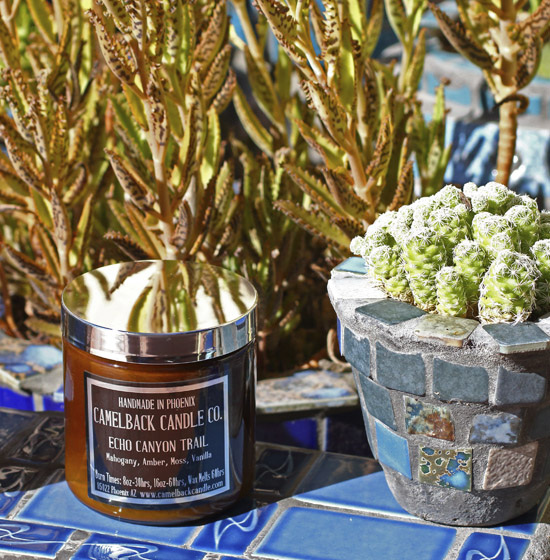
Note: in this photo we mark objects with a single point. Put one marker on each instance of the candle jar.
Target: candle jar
(160, 369)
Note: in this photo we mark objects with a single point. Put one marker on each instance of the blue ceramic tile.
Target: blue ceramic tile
(487, 546)
(38, 541)
(390, 311)
(55, 504)
(353, 264)
(523, 337)
(541, 424)
(103, 547)
(448, 468)
(233, 535)
(312, 534)
(357, 352)
(393, 450)
(524, 524)
(377, 400)
(367, 493)
(404, 372)
(45, 443)
(14, 481)
(10, 399)
(279, 470)
(495, 428)
(332, 468)
(12, 422)
(519, 388)
(454, 381)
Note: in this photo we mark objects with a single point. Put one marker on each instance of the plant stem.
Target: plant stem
(508, 113)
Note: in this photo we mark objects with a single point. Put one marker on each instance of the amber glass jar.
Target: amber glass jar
(159, 389)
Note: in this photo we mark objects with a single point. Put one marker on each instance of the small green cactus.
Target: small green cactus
(451, 292)
(472, 261)
(481, 251)
(507, 291)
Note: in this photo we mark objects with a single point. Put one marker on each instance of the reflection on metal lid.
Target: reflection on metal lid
(159, 311)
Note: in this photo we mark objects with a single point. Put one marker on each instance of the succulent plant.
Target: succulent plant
(493, 262)
(506, 43)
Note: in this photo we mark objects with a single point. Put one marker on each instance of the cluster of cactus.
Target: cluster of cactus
(478, 252)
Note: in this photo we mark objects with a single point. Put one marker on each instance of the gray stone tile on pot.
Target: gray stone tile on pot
(390, 311)
(455, 381)
(440, 329)
(377, 401)
(523, 337)
(397, 370)
(357, 351)
(519, 387)
(540, 427)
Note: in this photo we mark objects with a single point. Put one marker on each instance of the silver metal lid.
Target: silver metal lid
(159, 312)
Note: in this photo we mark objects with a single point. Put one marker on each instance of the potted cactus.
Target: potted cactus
(443, 318)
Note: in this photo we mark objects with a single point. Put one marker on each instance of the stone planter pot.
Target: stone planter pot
(458, 414)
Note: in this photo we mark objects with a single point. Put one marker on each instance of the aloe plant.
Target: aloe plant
(172, 61)
(52, 171)
(506, 44)
(362, 119)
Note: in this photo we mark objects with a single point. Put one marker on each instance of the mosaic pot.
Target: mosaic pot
(457, 414)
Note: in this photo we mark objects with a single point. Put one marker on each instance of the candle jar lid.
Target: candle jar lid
(159, 312)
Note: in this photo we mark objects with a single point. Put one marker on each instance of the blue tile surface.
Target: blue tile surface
(393, 450)
(353, 264)
(377, 400)
(370, 493)
(311, 534)
(357, 352)
(330, 469)
(484, 546)
(390, 311)
(524, 524)
(279, 470)
(55, 504)
(32, 539)
(454, 381)
(495, 428)
(519, 388)
(233, 535)
(396, 370)
(104, 547)
(11, 399)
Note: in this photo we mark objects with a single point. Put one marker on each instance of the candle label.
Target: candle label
(157, 445)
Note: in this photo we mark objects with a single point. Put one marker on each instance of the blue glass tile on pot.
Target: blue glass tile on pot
(357, 352)
(55, 504)
(486, 546)
(396, 370)
(523, 337)
(366, 493)
(541, 424)
(393, 450)
(312, 534)
(233, 535)
(390, 311)
(519, 388)
(37, 541)
(377, 400)
(455, 381)
(99, 547)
